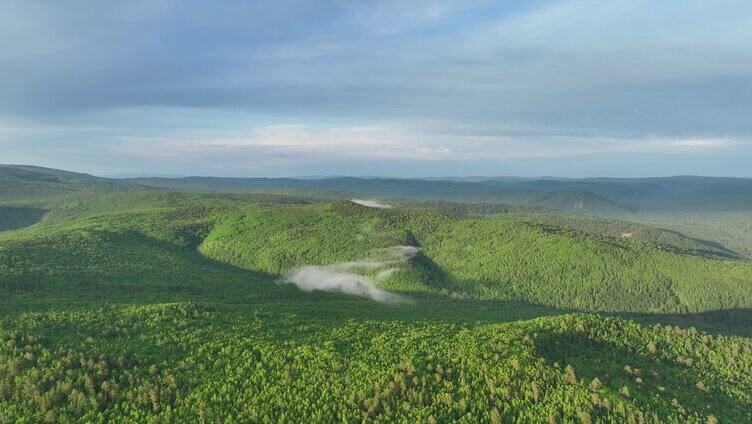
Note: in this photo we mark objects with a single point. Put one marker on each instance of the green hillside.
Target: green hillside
(23, 182)
(733, 230)
(673, 194)
(602, 196)
(536, 258)
(179, 362)
(156, 306)
(488, 258)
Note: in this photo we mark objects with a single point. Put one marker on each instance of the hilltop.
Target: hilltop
(599, 196)
(606, 196)
(122, 300)
(491, 252)
(24, 182)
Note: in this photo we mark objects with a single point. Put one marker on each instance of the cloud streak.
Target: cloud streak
(350, 277)
(310, 278)
(304, 83)
(372, 203)
(393, 141)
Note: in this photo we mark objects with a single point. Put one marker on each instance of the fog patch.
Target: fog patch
(398, 252)
(371, 203)
(367, 264)
(329, 279)
(386, 273)
(348, 278)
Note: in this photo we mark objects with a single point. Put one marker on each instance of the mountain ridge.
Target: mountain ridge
(593, 195)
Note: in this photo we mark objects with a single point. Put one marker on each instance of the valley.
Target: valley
(123, 300)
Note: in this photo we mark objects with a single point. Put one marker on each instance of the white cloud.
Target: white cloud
(395, 16)
(311, 278)
(433, 149)
(345, 278)
(371, 203)
(291, 144)
(703, 143)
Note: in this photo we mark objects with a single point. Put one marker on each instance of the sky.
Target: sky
(393, 88)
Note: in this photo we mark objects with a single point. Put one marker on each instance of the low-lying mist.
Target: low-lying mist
(343, 277)
(371, 203)
(310, 278)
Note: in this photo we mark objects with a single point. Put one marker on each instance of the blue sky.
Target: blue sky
(396, 88)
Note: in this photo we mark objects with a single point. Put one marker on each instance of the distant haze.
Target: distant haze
(571, 88)
(143, 175)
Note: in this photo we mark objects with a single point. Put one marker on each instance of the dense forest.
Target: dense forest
(124, 302)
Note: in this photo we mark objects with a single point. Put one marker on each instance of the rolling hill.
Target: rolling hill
(582, 201)
(598, 196)
(604, 196)
(671, 194)
(23, 181)
(125, 302)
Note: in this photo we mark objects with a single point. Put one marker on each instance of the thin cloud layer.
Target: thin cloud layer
(449, 84)
(310, 278)
(352, 277)
(372, 203)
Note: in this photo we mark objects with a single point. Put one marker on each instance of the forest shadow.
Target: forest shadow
(428, 271)
(13, 218)
(334, 307)
(445, 306)
(189, 276)
(189, 280)
(716, 249)
(729, 322)
(652, 382)
(129, 278)
(134, 271)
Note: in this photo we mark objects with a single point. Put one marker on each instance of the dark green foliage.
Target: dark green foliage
(14, 217)
(731, 230)
(29, 182)
(620, 231)
(186, 362)
(539, 258)
(589, 195)
(151, 306)
(675, 194)
(468, 192)
(503, 257)
(324, 234)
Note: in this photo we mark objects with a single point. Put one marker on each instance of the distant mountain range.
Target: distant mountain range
(571, 200)
(605, 196)
(140, 175)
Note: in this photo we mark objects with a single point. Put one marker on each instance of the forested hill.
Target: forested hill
(680, 193)
(588, 195)
(603, 196)
(23, 182)
(119, 304)
(570, 200)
